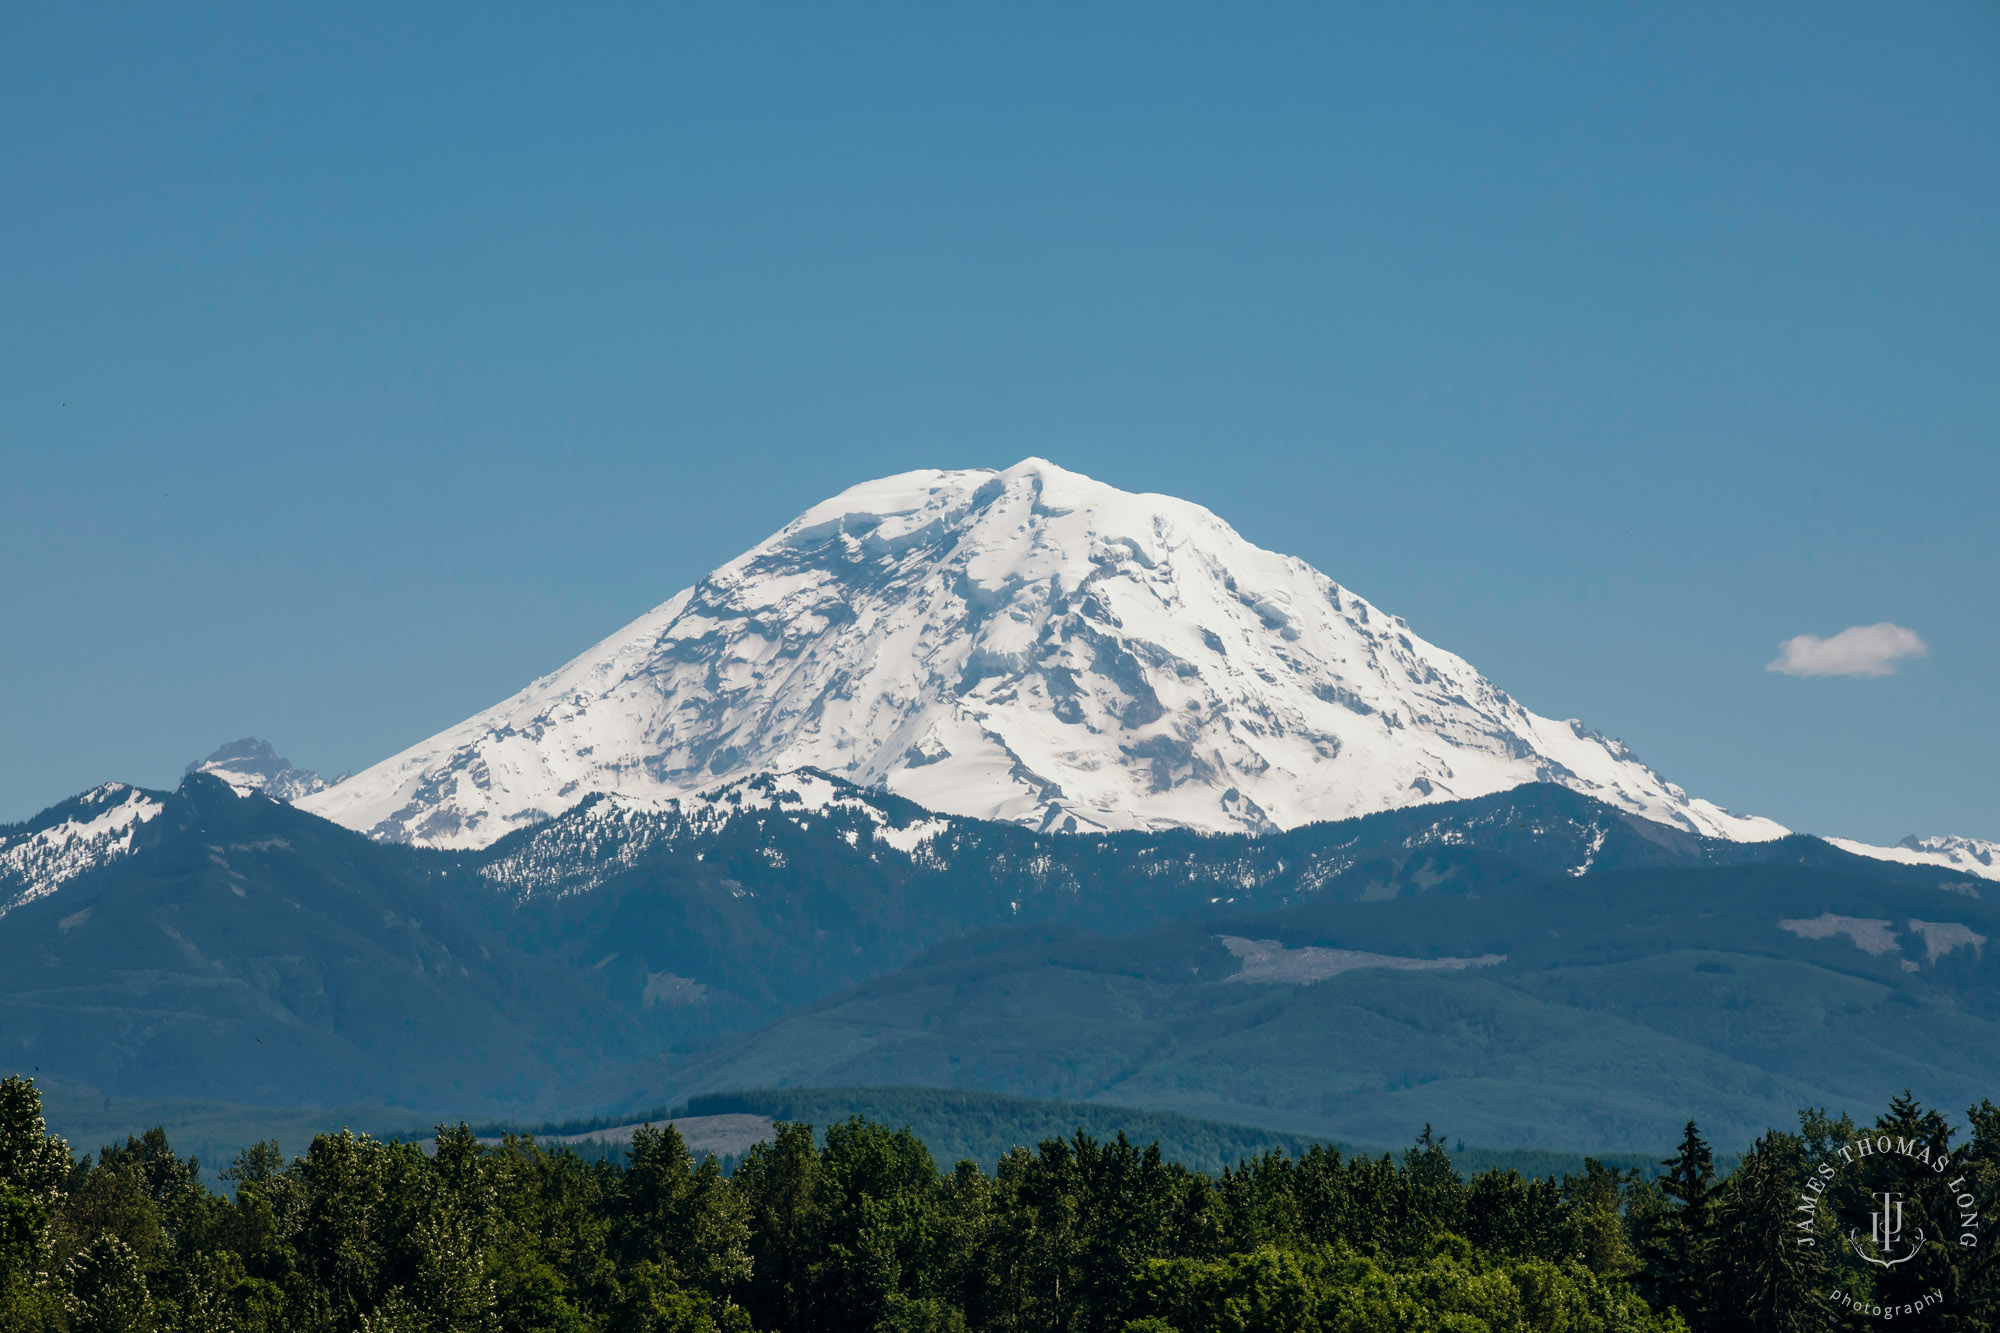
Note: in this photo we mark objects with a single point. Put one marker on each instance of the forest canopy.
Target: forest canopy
(857, 1229)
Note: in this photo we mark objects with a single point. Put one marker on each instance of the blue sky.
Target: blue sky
(358, 365)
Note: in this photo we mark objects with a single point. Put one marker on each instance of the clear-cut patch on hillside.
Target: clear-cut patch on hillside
(1268, 962)
(1870, 936)
(1878, 937)
(1941, 937)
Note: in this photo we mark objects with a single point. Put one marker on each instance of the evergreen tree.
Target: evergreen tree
(1764, 1279)
(1595, 1203)
(1257, 1204)
(1679, 1250)
(777, 1181)
(1432, 1199)
(1916, 1138)
(682, 1217)
(1979, 1265)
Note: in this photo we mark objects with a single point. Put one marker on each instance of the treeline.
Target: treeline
(957, 1123)
(858, 1231)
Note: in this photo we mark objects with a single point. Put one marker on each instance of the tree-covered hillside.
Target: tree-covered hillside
(1593, 1012)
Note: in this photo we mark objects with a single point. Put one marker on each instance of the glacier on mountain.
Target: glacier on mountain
(1028, 645)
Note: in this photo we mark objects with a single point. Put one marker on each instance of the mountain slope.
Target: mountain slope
(240, 948)
(1027, 645)
(71, 839)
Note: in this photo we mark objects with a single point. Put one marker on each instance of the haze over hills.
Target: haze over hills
(1028, 645)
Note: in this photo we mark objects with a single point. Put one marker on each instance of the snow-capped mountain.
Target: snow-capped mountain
(252, 765)
(1971, 856)
(1028, 645)
(67, 840)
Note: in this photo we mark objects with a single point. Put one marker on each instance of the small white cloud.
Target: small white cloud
(1860, 650)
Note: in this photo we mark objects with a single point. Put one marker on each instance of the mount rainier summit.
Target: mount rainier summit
(1027, 645)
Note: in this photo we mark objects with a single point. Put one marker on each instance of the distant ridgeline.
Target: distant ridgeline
(983, 1127)
(1533, 969)
(858, 1229)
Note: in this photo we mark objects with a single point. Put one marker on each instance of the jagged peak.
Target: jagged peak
(253, 765)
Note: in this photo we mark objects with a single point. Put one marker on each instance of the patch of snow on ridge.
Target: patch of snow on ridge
(907, 840)
(1597, 835)
(99, 827)
(1027, 645)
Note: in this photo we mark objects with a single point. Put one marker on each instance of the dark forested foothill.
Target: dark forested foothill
(857, 1230)
(1619, 976)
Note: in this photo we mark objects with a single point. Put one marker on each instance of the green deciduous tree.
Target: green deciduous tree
(107, 1290)
(34, 1167)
